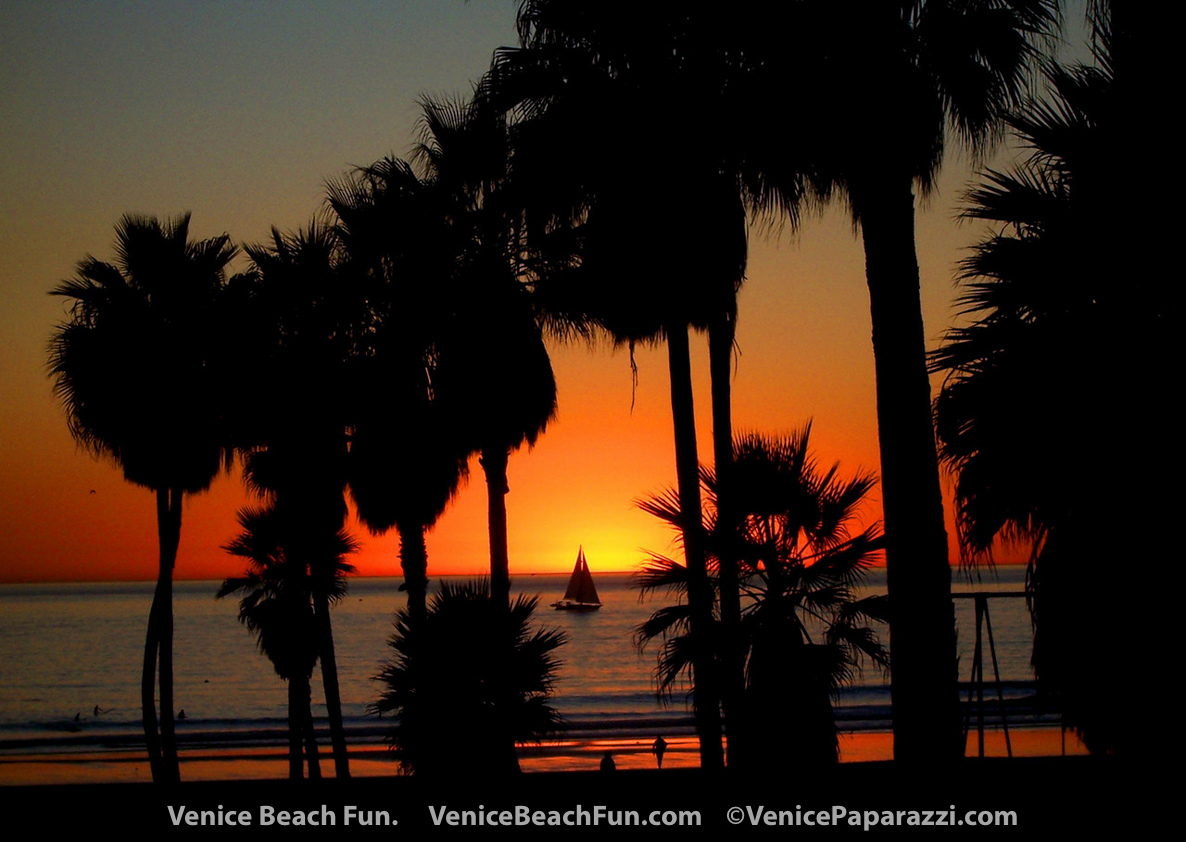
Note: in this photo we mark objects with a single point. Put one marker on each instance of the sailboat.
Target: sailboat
(582, 593)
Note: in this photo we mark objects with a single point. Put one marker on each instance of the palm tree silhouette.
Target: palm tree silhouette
(468, 682)
(495, 380)
(138, 368)
(804, 631)
(277, 607)
(406, 457)
(663, 237)
(895, 82)
(303, 313)
(1020, 410)
(890, 79)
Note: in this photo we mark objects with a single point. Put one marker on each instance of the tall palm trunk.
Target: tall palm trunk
(922, 624)
(152, 643)
(329, 680)
(298, 704)
(721, 334)
(705, 698)
(317, 511)
(311, 754)
(168, 735)
(158, 644)
(494, 465)
(413, 560)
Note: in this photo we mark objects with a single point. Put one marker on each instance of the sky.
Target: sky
(240, 113)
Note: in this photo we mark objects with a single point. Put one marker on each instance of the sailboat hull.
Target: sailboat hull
(569, 605)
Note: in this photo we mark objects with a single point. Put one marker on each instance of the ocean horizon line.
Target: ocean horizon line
(956, 568)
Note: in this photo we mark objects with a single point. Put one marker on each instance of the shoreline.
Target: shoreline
(268, 762)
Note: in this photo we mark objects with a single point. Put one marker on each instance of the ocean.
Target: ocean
(67, 648)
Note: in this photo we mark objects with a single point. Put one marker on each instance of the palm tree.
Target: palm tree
(406, 460)
(405, 471)
(803, 630)
(469, 682)
(138, 368)
(663, 237)
(894, 82)
(893, 65)
(1021, 408)
(495, 380)
(277, 607)
(304, 317)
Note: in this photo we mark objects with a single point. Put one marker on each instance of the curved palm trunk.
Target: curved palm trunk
(705, 701)
(494, 465)
(721, 334)
(152, 643)
(329, 680)
(413, 559)
(922, 624)
(158, 644)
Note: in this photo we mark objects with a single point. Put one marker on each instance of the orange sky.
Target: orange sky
(111, 110)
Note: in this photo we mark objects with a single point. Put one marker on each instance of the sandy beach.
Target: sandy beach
(269, 763)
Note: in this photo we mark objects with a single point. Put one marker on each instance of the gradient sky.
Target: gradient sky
(239, 113)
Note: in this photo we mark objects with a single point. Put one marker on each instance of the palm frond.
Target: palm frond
(799, 563)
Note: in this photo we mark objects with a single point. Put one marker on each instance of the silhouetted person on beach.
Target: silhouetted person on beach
(659, 749)
(607, 763)
(181, 715)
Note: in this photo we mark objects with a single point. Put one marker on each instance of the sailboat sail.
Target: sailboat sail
(581, 593)
(574, 584)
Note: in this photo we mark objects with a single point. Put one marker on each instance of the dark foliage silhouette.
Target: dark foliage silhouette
(804, 632)
(407, 457)
(1060, 325)
(468, 683)
(277, 607)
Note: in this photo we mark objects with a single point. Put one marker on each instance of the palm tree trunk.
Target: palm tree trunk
(298, 702)
(705, 700)
(311, 752)
(494, 465)
(168, 735)
(721, 334)
(329, 679)
(158, 644)
(922, 625)
(152, 642)
(413, 559)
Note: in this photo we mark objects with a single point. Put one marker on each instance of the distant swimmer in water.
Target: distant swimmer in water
(181, 715)
(98, 710)
(78, 717)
